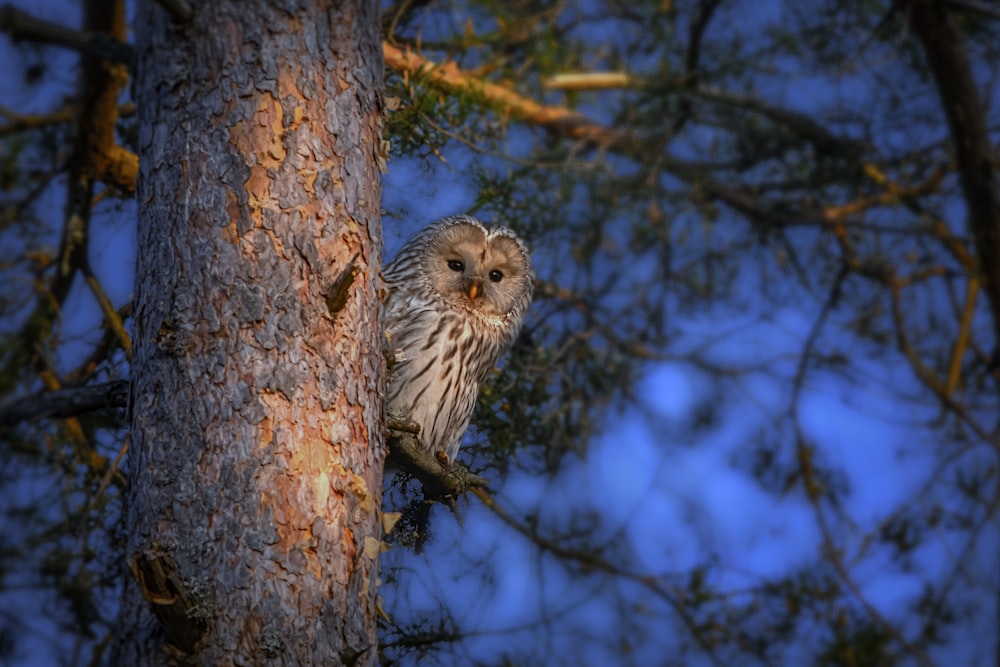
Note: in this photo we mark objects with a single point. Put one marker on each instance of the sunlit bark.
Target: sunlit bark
(256, 446)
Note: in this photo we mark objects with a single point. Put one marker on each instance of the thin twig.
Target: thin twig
(110, 314)
(593, 562)
(813, 486)
(962, 340)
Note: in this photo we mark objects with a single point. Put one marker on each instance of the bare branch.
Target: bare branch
(21, 122)
(592, 81)
(700, 19)
(22, 25)
(966, 115)
(24, 122)
(65, 402)
(962, 340)
(110, 340)
(111, 316)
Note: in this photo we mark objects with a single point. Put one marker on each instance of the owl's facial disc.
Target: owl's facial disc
(475, 272)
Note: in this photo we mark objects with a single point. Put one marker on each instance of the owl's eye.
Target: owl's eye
(496, 276)
(455, 265)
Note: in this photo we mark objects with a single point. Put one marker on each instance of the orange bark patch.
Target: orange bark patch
(357, 486)
(261, 136)
(258, 189)
(230, 232)
(349, 549)
(265, 433)
(310, 184)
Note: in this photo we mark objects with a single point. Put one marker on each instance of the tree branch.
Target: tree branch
(437, 479)
(100, 156)
(22, 25)
(700, 19)
(973, 149)
(64, 403)
(566, 122)
(111, 316)
(24, 122)
(962, 340)
(575, 81)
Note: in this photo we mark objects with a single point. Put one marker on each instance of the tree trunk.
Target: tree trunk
(257, 379)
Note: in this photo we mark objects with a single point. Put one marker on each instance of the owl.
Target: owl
(456, 297)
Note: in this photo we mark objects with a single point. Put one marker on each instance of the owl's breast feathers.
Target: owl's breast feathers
(441, 360)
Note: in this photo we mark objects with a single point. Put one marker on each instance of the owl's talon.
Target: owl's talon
(442, 458)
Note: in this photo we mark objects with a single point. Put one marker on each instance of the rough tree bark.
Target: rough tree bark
(256, 442)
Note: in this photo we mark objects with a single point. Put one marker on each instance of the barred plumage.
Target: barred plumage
(457, 294)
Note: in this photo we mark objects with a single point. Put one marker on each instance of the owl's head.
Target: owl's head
(483, 269)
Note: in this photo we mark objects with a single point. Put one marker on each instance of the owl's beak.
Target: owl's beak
(473, 291)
